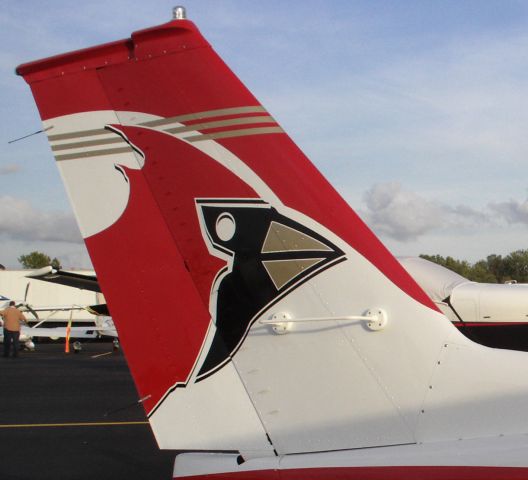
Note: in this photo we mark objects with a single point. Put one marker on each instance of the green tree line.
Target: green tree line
(494, 269)
(38, 260)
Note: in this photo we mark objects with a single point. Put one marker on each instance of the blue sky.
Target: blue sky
(415, 110)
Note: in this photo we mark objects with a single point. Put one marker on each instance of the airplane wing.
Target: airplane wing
(70, 279)
(52, 308)
(27, 333)
(296, 340)
(59, 332)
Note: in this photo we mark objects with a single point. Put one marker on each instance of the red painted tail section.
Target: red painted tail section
(154, 268)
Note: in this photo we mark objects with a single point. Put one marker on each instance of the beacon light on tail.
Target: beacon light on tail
(185, 188)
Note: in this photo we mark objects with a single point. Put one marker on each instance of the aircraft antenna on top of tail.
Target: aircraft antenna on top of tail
(179, 13)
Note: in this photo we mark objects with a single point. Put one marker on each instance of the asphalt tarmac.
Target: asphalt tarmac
(75, 417)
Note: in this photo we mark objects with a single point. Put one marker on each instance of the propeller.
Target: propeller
(26, 305)
(33, 312)
(100, 309)
(26, 293)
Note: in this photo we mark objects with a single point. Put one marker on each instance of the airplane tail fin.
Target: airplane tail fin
(257, 312)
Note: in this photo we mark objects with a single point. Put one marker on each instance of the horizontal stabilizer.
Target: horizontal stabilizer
(62, 277)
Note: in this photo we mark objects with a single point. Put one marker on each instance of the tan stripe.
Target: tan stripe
(91, 143)
(73, 424)
(93, 153)
(207, 114)
(80, 134)
(223, 123)
(235, 133)
(163, 121)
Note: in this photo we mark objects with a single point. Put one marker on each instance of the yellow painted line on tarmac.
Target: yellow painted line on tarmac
(72, 424)
(102, 354)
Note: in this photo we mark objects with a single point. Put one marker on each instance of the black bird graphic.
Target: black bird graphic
(268, 256)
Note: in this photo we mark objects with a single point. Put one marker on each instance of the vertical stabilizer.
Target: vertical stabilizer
(258, 313)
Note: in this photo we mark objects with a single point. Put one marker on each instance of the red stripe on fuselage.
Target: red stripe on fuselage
(488, 324)
(376, 473)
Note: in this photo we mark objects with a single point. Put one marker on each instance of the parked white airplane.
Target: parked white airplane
(299, 347)
(29, 333)
(493, 314)
(103, 321)
(41, 315)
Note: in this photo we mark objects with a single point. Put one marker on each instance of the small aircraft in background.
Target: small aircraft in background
(84, 281)
(39, 316)
(29, 332)
(34, 311)
(492, 314)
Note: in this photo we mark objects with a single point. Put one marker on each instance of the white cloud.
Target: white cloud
(512, 211)
(19, 220)
(404, 215)
(9, 169)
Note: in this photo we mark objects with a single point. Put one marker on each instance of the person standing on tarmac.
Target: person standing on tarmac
(12, 317)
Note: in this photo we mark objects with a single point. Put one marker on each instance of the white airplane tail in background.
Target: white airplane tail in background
(287, 331)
